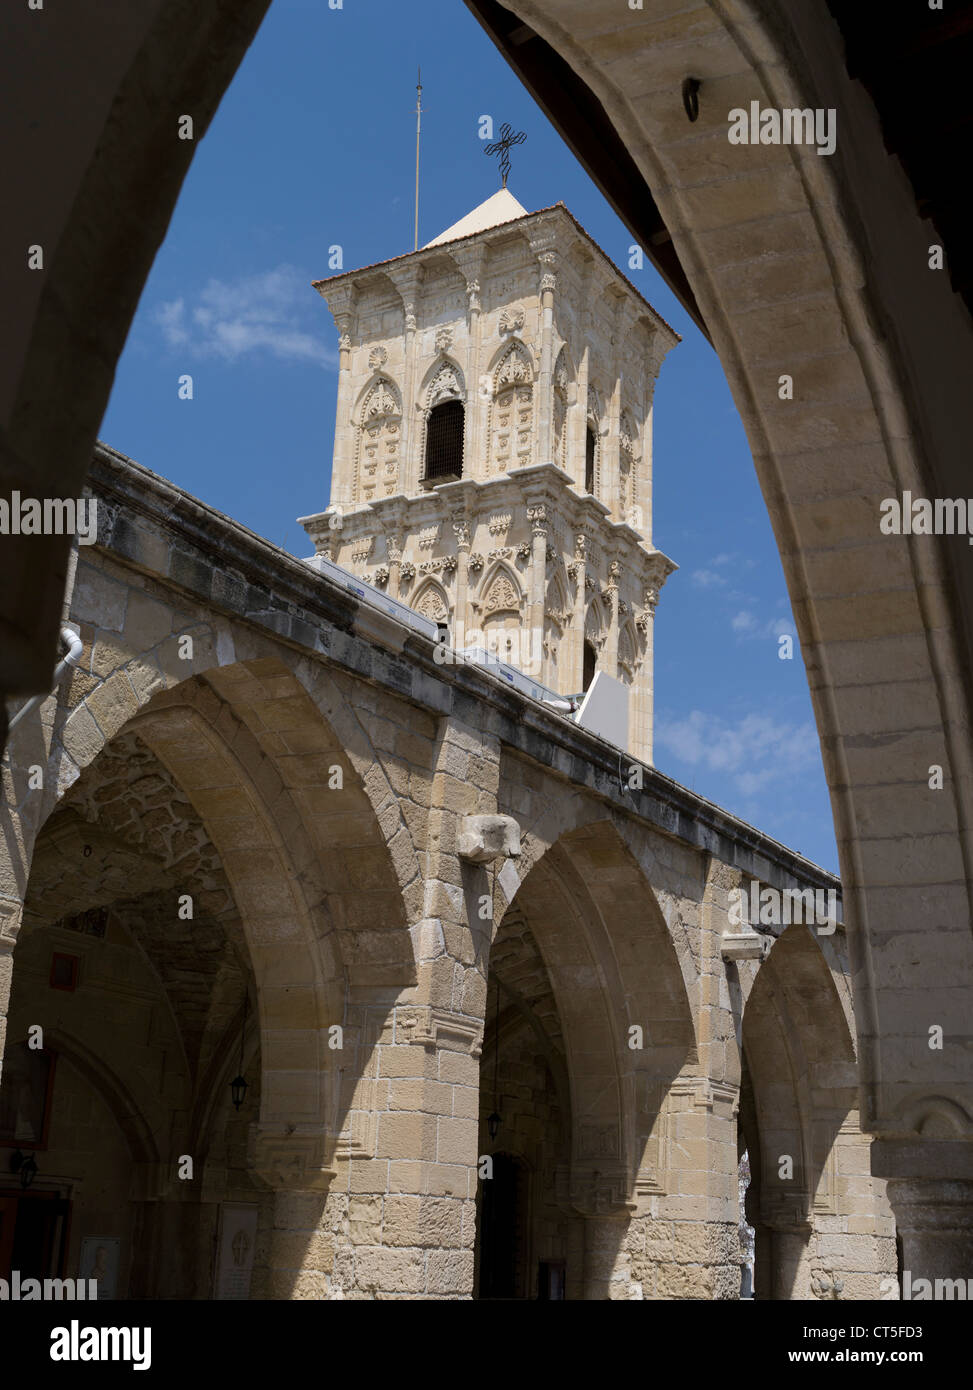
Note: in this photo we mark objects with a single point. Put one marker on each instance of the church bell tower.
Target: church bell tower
(493, 446)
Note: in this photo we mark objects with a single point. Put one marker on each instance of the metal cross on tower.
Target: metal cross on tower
(502, 148)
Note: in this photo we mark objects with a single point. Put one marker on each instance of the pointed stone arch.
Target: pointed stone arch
(591, 912)
(511, 419)
(500, 591)
(431, 601)
(557, 616)
(800, 1126)
(628, 653)
(378, 420)
(443, 381)
(595, 623)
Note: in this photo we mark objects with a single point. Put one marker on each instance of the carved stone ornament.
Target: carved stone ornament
(476, 561)
(377, 358)
(407, 572)
(432, 605)
(461, 530)
(381, 401)
(444, 386)
(502, 596)
(512, 320)
(444, 339)
(381, 577)
(523, 550)
(514, 369)
(485, 838)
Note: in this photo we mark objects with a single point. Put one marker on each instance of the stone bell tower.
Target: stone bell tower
(493, 446)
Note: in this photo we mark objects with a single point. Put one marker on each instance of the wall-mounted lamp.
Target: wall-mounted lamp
(24, 1166)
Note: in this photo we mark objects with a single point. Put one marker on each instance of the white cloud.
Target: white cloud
(255, 314)
(745, 624)
(707, 579)
(754, 751)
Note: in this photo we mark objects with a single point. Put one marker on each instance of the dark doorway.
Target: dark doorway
(444, 442)
(501, 1230)
(33, 1234)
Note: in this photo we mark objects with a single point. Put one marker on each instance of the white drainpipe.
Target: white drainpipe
(71, 658)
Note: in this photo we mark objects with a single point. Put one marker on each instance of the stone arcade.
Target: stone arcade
(522, 958)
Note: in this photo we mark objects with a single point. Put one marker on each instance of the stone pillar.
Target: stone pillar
(934, 1221)
(532, 653)
(608, 1258)
(393, 545)
(342, 304)
(695, 1240)
(412, 1170)
(470, 263)
(408, 281)
(610, 658)
(545, 392)
(787, 1252)
(656, 570)
(574, 674)
(290, 1160)
(578, 424)
(930, 1189)
(461, 613)
(656, 350)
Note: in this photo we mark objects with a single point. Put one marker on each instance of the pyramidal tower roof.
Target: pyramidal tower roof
(501, 207)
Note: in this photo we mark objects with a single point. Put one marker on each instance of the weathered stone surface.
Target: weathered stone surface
(483, 838)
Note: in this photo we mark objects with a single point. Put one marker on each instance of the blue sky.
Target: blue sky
(313, 146)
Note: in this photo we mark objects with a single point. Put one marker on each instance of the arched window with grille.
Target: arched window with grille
(444, 442)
